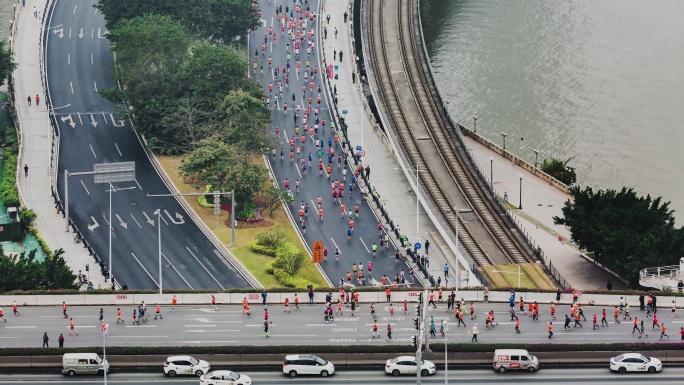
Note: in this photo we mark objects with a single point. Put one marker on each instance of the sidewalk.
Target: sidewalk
(540, 203)
(36, 142)
(386, 175)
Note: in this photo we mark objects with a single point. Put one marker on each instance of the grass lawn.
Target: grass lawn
(532, 276)
(252, 261)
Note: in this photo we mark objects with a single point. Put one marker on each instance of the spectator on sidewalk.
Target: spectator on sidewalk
(29, 100)
(46, 339)
(61, 340)
(25, 169)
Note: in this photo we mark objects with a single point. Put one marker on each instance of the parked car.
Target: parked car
(514, 359)
(635, 362)
(185, 365)
(83, 363)
(225, 377)
(307, 364)
(407, 365)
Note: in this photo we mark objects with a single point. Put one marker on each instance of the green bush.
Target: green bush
(272, 239)
(8, 190)
(289, 280)
(28, 217)
(202, 199)
(41, 241)
(288, 261)
(259, 249)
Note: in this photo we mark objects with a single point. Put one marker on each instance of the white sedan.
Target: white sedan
(225, 377)
(635, 362)
(407, 365)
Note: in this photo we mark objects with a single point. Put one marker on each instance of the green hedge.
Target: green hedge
(8, 188)
(259, 249)
(327, 349)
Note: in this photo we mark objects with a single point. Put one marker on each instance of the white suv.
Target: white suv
(307, 364)
(185, 365)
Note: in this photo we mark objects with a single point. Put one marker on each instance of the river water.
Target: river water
(601, 81)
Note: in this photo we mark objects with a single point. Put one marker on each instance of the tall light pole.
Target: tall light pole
(503, 134)
(446, 361)
(457, 278)
(536, 154)
(491, 171)
(158, 212)
(520, 205)
(475, 123)
(104, 352)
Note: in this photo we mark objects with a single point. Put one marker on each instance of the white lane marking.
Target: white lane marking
(119, 151)
(91, 149)
(177, 272)
(147, 272)
(20, 327)
(75, 6)
(91, 59)
(7, 337)
(212, 342)
(136, 182)
(162, 218)
(95, 84)
(137, 336)
(136, 221)
(200, 326)
(92, 33)
(68, 59)
(84, 186)
(105, 119)
(308, 325)
(205, 269)
(141, 326)
(69, 33)
(61, 316)
(364, 245)
(96, 11)
(79, 118)
(335, 243)
(72, 87)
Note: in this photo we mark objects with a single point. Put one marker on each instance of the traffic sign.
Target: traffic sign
(359, 148)
(417, 245)
(317, 251)
(344, 112)
(362, 153)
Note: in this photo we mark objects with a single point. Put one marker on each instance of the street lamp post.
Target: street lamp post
(446, 365)
(503, 134)
(475, 123)
(491, 171)
(158, 212)
(104, 352)
(536, 154)
(520, 205)
(457, 278)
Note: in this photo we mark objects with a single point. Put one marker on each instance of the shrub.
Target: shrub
(289, 280)
(255, 247)
(28, 217)
(8, 191)
(271, 239)
(289, 261)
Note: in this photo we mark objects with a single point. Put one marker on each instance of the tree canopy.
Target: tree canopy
(625, 232)
(216, 20)
(7, 65)
(23, 272)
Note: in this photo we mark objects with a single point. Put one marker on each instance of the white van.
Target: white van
(514, 359)
(83, 363)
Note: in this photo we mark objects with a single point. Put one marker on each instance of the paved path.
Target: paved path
(36, 136)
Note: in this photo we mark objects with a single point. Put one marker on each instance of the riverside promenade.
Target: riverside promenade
(38, 142)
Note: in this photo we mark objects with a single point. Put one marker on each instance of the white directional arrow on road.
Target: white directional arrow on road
(80, 34)
(114, 121)
(147, 219)
(59, 32)
(121, 222)
(69, 119)
(94, 225)
(178, 219)
(100, 34)
(92, 121)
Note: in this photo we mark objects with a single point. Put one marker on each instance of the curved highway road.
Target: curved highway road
(79, 65)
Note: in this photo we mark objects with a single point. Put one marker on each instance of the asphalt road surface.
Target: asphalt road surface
(79, 66)
(195, 326)
(583, 375)
(332, 230)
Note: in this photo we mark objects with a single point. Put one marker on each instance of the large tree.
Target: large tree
(217, 20)
(24, 272)
(624, 231)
